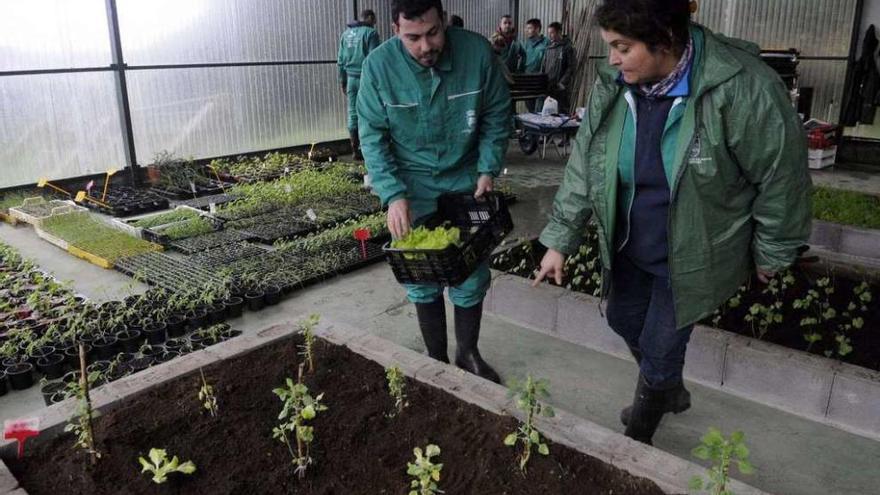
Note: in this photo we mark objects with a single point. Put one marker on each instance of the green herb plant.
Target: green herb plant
(299, 408)
(397, 389)
(160, 466)
(307, 349)
(528, 400)
(724, 453)
(425, 471)
(207, 397)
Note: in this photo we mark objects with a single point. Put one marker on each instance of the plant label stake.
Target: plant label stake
(21, 430)
(219, 180)
(43, 182)
(311, 150)
(81, 195)
(311, 214)
(362, 235)
(110, 173)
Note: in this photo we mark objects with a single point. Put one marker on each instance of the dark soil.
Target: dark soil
(357, 450)
(523, 260)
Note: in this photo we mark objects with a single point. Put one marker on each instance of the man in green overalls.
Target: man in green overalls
(356, 43)
(434, 113)
(534, 48)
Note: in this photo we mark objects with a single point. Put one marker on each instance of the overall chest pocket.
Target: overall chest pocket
(404, 116)
(463, 114)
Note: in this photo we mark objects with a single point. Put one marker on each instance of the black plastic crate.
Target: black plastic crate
(483, 222)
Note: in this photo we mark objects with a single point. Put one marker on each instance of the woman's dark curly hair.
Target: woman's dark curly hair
(657, 23)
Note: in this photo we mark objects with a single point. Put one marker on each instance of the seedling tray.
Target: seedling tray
(210, 187)
(483, 222)
(126, 201)
(222, 256)
(208, 241)
(35, 210)
(205, 202)
(162, 270)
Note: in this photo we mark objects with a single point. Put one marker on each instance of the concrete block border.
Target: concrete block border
(838, 394)
(668, 471)
(846, 239)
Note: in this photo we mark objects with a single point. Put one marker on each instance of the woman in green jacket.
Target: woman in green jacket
(693, 164)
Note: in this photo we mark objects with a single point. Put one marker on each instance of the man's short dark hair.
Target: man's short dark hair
(534, 22)
(367, 15)
(657, 23)
(456, 21)
(555, 25)
(507, 16)
(413, 9)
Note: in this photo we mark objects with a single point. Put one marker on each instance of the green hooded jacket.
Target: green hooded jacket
(534, 49)
(740, 194)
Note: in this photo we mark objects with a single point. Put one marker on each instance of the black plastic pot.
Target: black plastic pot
(200, 341)
(155, 333)
(234, 307)
(255, 301)
(166, 356)
(129, 340)
(196, 318)
(52, 365)
(71, 354)
(138, 364)
(21, 376)
(106, 347)
(51, 389)
(40, 352)
(12, 361)
(216, 313)
(57, 397)
(272, 295)
(231, 334)
(176, 325)
(3, 386)
(175, 345)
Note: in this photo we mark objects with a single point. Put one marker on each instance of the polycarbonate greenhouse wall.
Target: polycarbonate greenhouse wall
(61, 114)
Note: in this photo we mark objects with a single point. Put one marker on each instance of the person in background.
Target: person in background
(534, 48)
(560, 63)
(357, 41)
(512, 52)
(456, 21)
(435, 118)
(694, 164)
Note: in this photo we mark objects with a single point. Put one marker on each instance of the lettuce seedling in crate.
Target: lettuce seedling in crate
(396, 386)
(160, 466)
(299, 407)
(207, 397)
(723, 453)
(425, 472)
(528, 395)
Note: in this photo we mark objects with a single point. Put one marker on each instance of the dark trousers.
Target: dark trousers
(641, 310)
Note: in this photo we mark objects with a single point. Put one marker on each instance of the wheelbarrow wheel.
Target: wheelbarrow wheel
(528, 144)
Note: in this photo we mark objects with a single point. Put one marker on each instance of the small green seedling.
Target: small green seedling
(527, 400)
(207, 397)
(425, 472)
(396, 386)
(161, 467)
(307, 350)
(299, 407)
(82, 426)
(723, 453)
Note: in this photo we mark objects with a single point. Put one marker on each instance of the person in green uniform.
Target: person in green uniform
(693, 163)
(434, 113)
(357, 41)
(534, 48)
(512, 52)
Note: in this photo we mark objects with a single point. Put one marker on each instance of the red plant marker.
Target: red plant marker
(21, 430)
(362, 235)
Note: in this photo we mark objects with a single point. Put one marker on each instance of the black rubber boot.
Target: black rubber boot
(647, 410)
(677, 402)
(467, 333)
(355, 139)
(432, 322)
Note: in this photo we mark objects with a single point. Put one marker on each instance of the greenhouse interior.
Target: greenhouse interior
(488, 247)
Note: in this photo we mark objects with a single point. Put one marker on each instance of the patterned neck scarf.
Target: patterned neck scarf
(660, 89)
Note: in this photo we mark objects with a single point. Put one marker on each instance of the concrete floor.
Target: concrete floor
(792, 455)
(851, 178)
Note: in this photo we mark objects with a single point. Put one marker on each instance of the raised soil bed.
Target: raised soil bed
(358, 449)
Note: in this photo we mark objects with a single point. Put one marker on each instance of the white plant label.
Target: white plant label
(192, 186)
(311, 214)
(212, 207)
